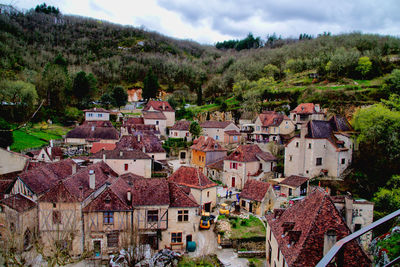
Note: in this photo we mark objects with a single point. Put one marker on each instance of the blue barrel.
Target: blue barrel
(191, 246)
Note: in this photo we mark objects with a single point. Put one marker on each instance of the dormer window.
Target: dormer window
(107, 200)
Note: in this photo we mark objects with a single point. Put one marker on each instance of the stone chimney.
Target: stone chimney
(51, 142)
(129, 196)
(92, 179)
(348, 205)
(144, 149)
(329, 240)
(73, 168)
(93, 128)
(303, 130)
(163, 105)
(121, 153)
(104, 156)
(317, 108)
(138, 137)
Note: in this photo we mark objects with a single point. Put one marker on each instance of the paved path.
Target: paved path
(230, 258)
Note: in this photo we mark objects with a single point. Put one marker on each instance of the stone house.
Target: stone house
(294, 186)
(215, 170)
(47, 154)
(270, 126)
(147, 143)
(323, 148)
(232, 137)
(158, 119)
(125, 161)
(163, 107)
(202, 188)
(245, 162)
(92, 131)
(302, 234)
(180, 130)
(306, 112)
(206, 150)
(357, 214)
(12, 162)
(257, 197)
(134, 125)
(18, 216)
(216, 129)
(97, 114)
(60, 208)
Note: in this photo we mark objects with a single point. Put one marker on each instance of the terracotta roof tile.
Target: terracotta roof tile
(151, 143)
(232, 132)
(158, 105)
(179, 198)
(254, 190)
(305, 108)
(206, 144)
(150, 191)
(294, 181)
(96, 147)
(191, 177)
(218, 165)
(130, 177)
(19, 203)
(249, 153)
(271, 118)
(154, 115)
(132, 121)
(91, 132)
(97, 110)
(310, 218)
(181, 126)
(120, 154)
(215, 124)
(340, 124)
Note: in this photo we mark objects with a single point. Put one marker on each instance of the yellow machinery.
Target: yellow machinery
(205, 221)
(224, 210)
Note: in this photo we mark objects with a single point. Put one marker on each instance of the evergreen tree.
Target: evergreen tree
(119, 96)
(150, 85)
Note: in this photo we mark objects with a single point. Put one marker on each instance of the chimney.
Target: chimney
(8, 148)
(348, 205)
(303, 130)
(163, 105)
(92, 179)
(104, 156)
(51, 143)
(317, 108)
(93, 128)
(138, 137)
(121, 153)
(144, 149)
(129, 196)
(73, 168)
(329, 240)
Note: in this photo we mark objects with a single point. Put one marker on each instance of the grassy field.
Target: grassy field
(247, 228)
(36, 136)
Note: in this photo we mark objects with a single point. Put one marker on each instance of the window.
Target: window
(343, 161)
(234, 165)
(152, 215)
(56, 217)
(183, 215)
(290, 192)
(157, 122)
(176, 238)
(290, 158)
(319, 162)
(216, 137)
(258, 128)
(42, 156)
(261, 166)
(90, 115)
(297, 144)
(243, 203)
(54, 205)
(108, 217)
(235, 138)
(112, 239)
(126, 166)
(199, 158)
(309, 146)
(99, 115)
(208, 194)
(176, 133)
(187, 133)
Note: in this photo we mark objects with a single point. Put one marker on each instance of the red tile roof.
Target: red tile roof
(254, 190)
(91, 132)
(120, 154)
(249, 153)
(191, 177)
(271, 118)
(97, 110)
(206, 144)
(179, 198)
(181, 126)
(19, 203)
(151, 143)
(158, 105)
(132, 121)
(305, 108)
(232, 132)
(41, 179)
(310, 218)
(154, 115)
(218, 165)
(294, 180)
(130, 177)
(5, 187)
(96, 147)
(150, 191)
(215, 124)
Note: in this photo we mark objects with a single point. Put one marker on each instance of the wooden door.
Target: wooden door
(233, 181)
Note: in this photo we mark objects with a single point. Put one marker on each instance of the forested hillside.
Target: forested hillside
(53, 56)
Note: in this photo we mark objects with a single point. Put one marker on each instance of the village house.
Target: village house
(33, 183)
(133, 125)
(202, 188)
(161, 106)
(294, 186)
(158, 119)
(18, 218)
(323, 148)
(302, 234)
(180, 130)
(124, 161)
(206, 150)
(96, 147)
(357, 214)
(12, 161)
(215, 170)
(245, 162)
(92, 131)
(306, 112)
(216, 129)
(270, 126)
(60, 208)
(257, 197)
(148, 143)
(47, 154)
(97, 114)
(232, 137)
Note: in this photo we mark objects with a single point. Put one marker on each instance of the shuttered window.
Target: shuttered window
(112, 239)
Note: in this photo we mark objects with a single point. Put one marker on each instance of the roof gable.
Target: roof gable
(254, 190)
(249, 153)
(150, 191)
(158, 105)
(206, 144)
(215, 124)
(151, 143)
(306, 108)
(179, 198)
(294, 181)
(191, 177)
(19, 203)
(181, 126)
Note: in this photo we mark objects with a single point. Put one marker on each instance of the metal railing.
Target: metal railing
(337, 249)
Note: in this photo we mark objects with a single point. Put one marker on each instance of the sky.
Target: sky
(211, 21)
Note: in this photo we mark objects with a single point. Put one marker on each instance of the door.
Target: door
(97, 248)
(188, 238)
(183, 155)
(207, 207)
(250, 207)
(233, 181)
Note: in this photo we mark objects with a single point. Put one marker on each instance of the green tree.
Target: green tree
(195, 129)
(150, 85)
(364, 66)
(393, 81)
(106, 100)
(387, 199)
(73, 114)
(119, 96)
(6, 136)
(84, 88)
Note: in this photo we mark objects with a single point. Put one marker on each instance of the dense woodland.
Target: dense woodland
(68, 63)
